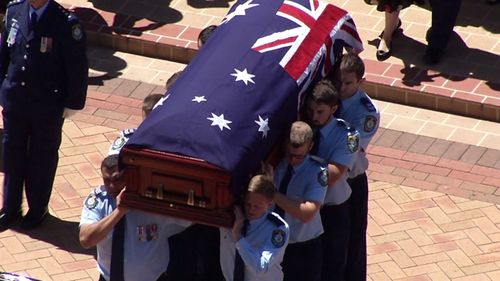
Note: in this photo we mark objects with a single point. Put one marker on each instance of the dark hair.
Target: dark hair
(205, 34)
(172, 79)
(149, 102)
(324, 92)
(110, 162)
(261, 184)
(353, 63)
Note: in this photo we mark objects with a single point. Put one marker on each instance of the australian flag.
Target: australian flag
(241, 92)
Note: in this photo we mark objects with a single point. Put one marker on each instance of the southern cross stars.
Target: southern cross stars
(219, 121)
(199, 99)
(239, 11)
(263, 126)
(243, 76)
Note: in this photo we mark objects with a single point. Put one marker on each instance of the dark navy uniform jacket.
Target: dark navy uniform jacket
(47, 68)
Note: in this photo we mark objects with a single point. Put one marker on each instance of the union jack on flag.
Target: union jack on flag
(241, 92)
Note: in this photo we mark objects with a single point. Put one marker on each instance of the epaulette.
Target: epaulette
(14, 2)
(318, 159)
(343, 123)
(368, 104)
(128, 132)
(70, 16)
(275, 219)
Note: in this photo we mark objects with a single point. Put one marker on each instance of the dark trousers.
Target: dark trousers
(335, 239)
(30, 150)
(195, 255)
(444, 16)
(358, 210)
(302, 261)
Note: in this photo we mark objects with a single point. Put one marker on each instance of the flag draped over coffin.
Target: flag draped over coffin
(241, 92)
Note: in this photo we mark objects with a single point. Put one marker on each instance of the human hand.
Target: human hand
(268, 170)
(238, 222)
(119, 206)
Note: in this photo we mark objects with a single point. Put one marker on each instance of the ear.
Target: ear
(362, 80)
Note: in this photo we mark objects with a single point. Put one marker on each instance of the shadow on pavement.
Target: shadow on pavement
(459, 62)
(60, 233)
(200, 4)
(148, 14)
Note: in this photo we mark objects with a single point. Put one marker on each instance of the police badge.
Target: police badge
(323, 176)
(76, 32)
(91, 201)
(278, 238)
(353, 141)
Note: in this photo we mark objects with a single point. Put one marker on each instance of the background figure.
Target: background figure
(337, 144)
(43, 77)
(302, 181)
(205, 34)
(253, 249)
(444, 15)
(147, 106)
(362, 114)
(144, 244)
(391, 9)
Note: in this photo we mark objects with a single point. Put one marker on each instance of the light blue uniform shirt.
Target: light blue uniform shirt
(261, 250)
(146, 253)
(308, 183)
(364, 116)
(338, 143)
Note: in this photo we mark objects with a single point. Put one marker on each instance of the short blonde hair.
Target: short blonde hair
(300, 134)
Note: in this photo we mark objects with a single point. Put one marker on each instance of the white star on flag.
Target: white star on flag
(239, 11)
(160, 102)
(219, 121)
(199, 99)
(243, 76)
(263, 126)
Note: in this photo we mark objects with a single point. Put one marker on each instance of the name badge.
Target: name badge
(45, 44)
(11, 38)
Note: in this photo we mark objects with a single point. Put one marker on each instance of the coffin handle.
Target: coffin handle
(190, 200)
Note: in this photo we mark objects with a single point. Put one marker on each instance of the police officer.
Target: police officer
(359, 110)
(43, 76)
(258, 238)
(302, 181)
(145, 247)
(336, 143)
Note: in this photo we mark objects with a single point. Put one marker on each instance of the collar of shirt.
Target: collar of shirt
(253, 224)
(39, 11)
(347, 103)
(327, 128)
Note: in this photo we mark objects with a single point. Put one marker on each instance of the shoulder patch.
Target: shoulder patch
(353, 140)
(323, 177)
(76, 32)
(275, 219)
(278, 238)
(91, 201)
(368, 104)
(342, 122)
(370, 123)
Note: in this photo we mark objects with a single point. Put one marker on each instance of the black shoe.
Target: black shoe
(32, 219)
(398, 27)
(432, 57)
(6, 218)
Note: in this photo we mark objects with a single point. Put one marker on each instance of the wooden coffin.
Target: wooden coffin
(178, 186)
